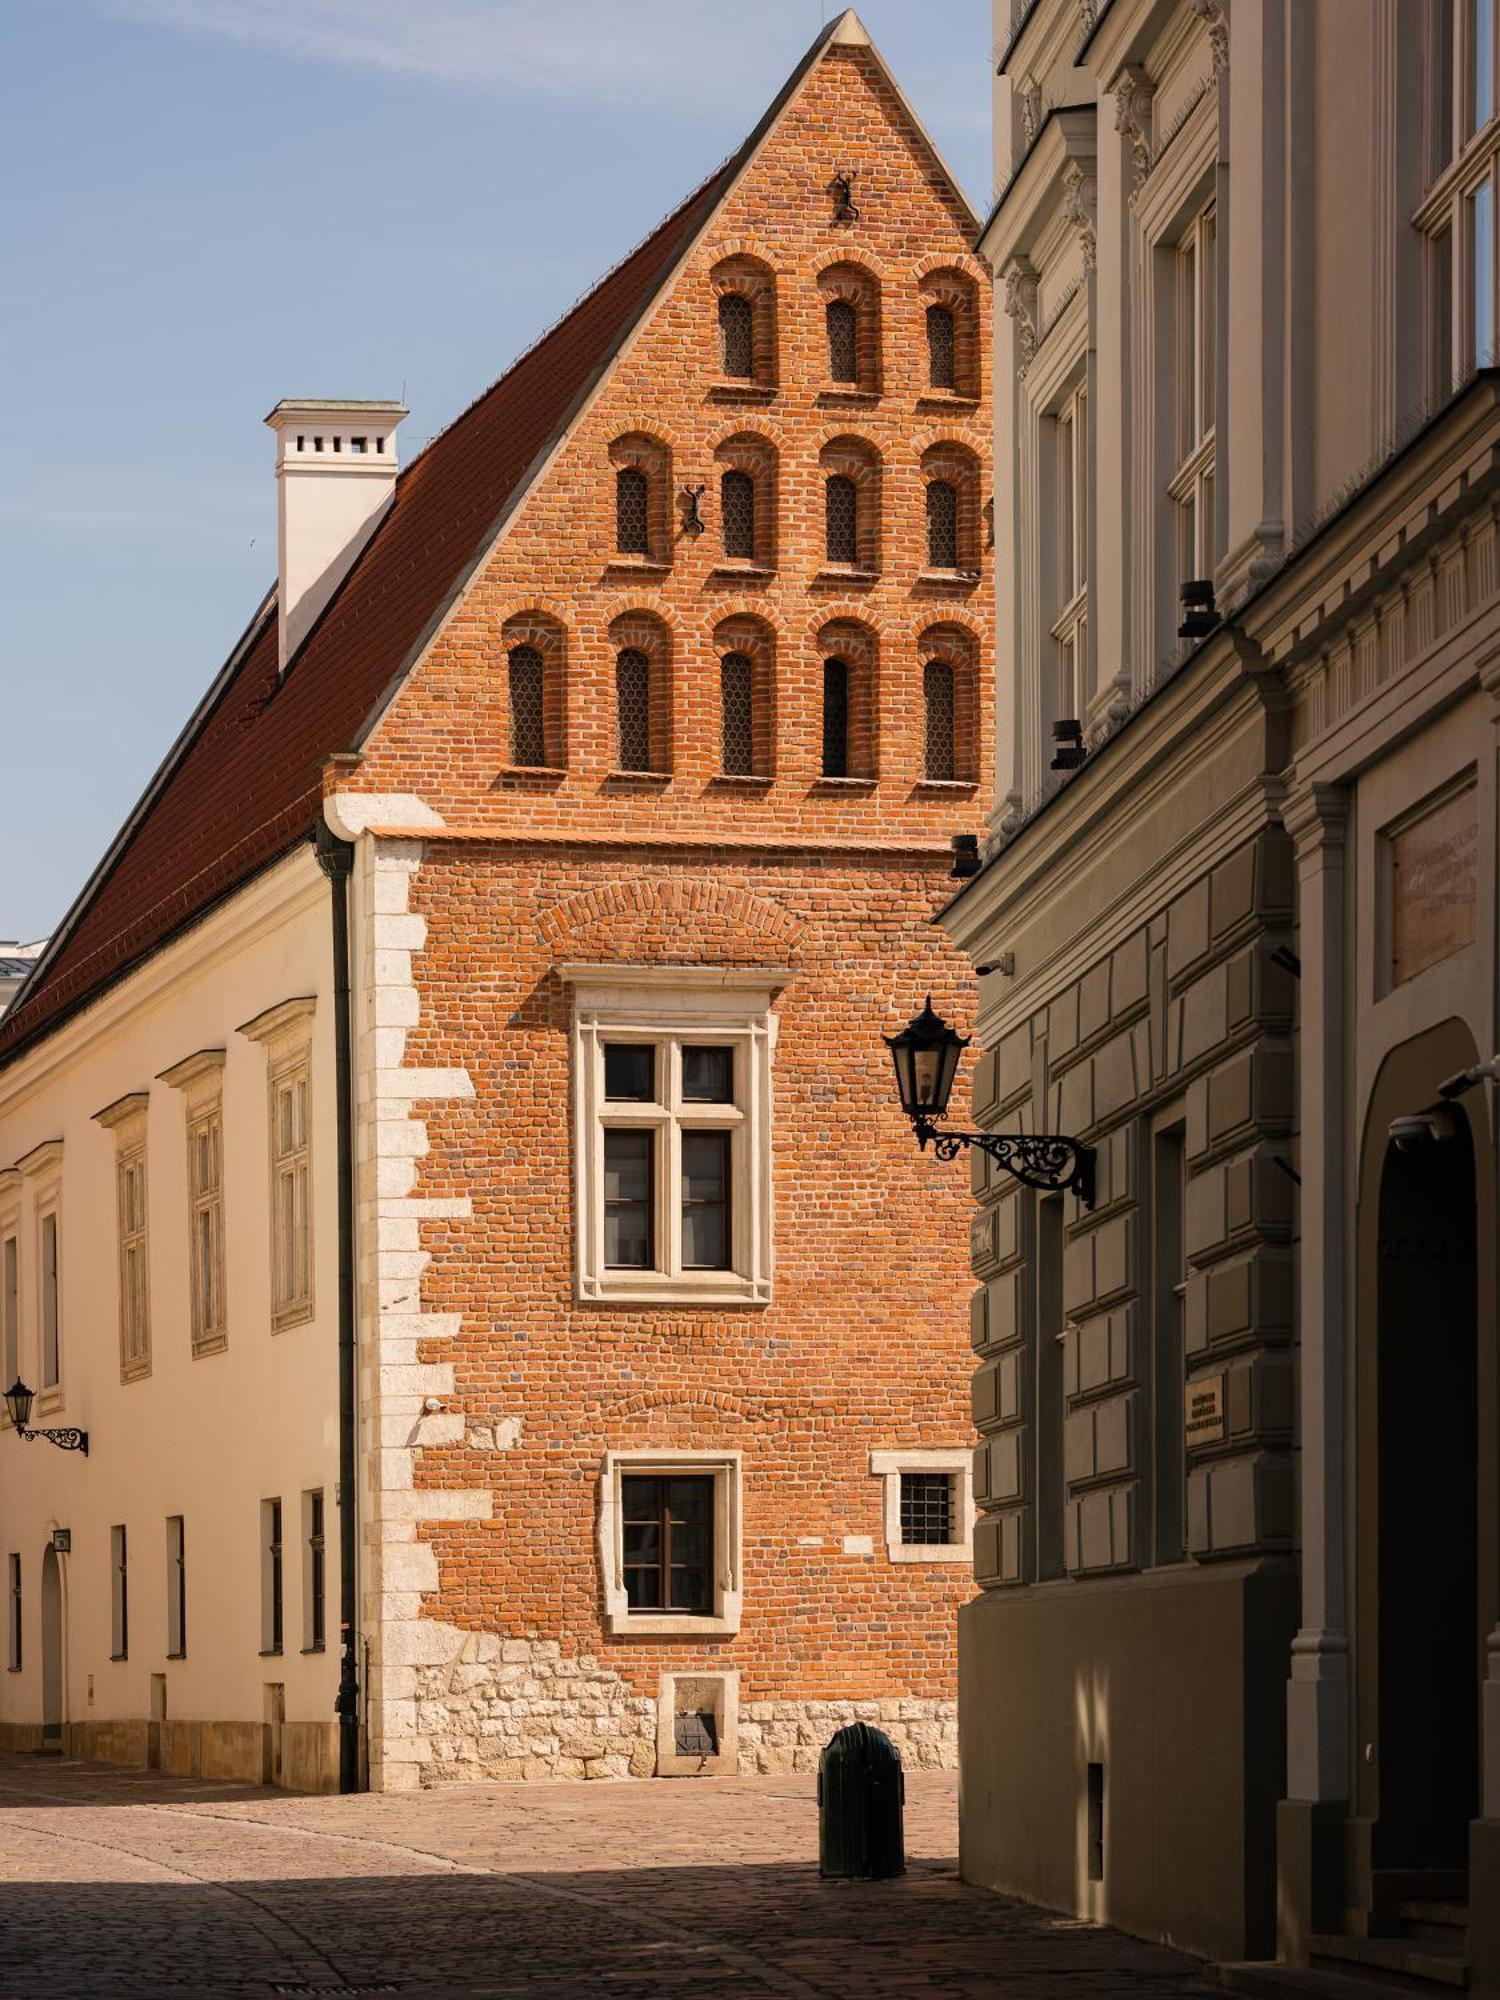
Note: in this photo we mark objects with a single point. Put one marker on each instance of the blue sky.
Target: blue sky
(211, 204)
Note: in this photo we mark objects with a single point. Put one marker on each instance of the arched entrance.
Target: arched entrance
(1427, 1514)
(52, 1650)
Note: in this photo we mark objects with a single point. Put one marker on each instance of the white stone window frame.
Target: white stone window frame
(676, 1005)
(285, 1032)
(958, 1463)
(200, 1078)
(725, 1469)
(1191, 487)
(126, 1119)
(1072, 455)
(11, 1350)
(42, 1167)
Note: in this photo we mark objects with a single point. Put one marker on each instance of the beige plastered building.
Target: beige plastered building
(1233, 1678)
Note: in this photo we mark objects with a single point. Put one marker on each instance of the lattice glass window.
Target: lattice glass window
(843, 341)
(632, 512)
(528, 736)
(841, 519)
(135, 1311)
(291, 1194)
(942, 348)
(737, 504)
(942, 524)
(736, 335)
(1191, 487)
(737, 715)
(206, 1250)
(835, 719)
(927, 1509)
(633, 709)
(940, 754)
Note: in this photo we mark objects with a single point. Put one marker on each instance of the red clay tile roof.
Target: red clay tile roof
(243, 783)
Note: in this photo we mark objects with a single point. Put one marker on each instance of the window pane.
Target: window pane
(628, 1165)
(632, 526)
(1207, 310)
(736, 716)
(841, 520)
(927, 1508)
(835, 719)
(705, 1201)
(942, 524)
(1482, 236)
(633, 704)
(736, 326)
(1484, 60)
(630, 1071)
(50, 1355)
(941, 347)
(708, 1075)
(641, 1510)
(737, 500)
(10, 1316)
(843, 341)
(1065, 501)
(939, 760)
(689, 1526)
(527, 737)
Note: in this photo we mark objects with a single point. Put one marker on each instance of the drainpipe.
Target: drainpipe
(336, 859)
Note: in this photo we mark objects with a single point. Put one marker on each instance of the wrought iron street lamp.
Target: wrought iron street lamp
(18, 1402)
(926, 1054)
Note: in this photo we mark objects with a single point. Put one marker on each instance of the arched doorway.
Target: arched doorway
(52, 1650)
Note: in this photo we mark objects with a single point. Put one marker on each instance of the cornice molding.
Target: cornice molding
(204, 1062)
(285, 1018)
(43, 1159)
(1316, 815)
(125, 1110)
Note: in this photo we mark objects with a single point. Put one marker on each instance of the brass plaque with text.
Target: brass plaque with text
(1205, 1412)
(1434, 885)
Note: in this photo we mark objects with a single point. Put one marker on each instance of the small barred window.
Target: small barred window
(736, 334)
(841, 519)
(736, 715)
(927, 1509)
(737, 504)
(942, 524)
(942, 370)
(835, 719)
(632, 513)
(528, 744)
(843, 341)
(633, 709)
(939, 758)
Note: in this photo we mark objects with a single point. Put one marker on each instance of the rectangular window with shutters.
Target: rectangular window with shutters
(51, 1301)
(135, 1306)
(206, 1247)
(119, 1594)
(291, 1194)
(314, 1573)
(176, 1587)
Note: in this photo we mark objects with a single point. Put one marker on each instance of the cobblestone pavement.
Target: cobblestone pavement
(132, 1884)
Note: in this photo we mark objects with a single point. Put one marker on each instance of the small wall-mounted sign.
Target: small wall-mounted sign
(1434, 884)
(62, 1541)
(1205, 1412)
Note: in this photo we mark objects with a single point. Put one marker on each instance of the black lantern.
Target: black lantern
(926, 1054)
(18, 1402)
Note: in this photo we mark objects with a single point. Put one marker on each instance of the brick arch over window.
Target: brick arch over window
(744, 332)
(640, 529)
(947, 727)
(747, 696)
(949, 299)
(850, 330)
(952, 525)
(848, 700)
(851, 474)
(641, 693)
(535, 648)
(747, 515)
(649, 918)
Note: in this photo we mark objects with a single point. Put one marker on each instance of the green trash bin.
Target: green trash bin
(861, 1798)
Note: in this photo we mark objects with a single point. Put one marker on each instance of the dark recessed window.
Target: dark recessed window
(633, 709)
(629, 1200)
(668, 1537)
(736, 716)
(843, 341)
(942, 524)
(528, 739)
(632, 512)
(707, 1075)
(736, 334)
(835, 719)
(927, 1509)
(942, 358)
(705, 1201)
(737, 502)
(939, 747)
(630, 1072)
(841, 520)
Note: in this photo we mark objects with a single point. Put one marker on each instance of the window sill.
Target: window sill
(271, 1653)
(947, 579)
(742, 388)
(931, 1552)
(847, 394)
(211, 1343)
(118, 1657)
(946, 785)
(957, 400)
(291, 1316)
(618, 565)
(308, 1651)
(736, 570)
(742, 781)
(547, 773)
(669, 1625)
(139, 1373)
(653, 1289)
(846, 574)
(176, 1656)
(844, 784)
(642, 778)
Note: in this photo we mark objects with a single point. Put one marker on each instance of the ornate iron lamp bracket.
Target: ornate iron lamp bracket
(67, 1438)
(1043, 1160)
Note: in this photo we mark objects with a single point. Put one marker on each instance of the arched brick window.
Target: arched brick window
(632, 511)
(528, 735)
(633, 709)
(942, 348)
(737, 715)
(737, 513)
(841, 519)
(843, 341)
(942, 524)
(835, 718)
(736, 335)
(939, 722)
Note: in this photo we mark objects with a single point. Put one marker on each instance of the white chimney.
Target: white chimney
(335, 475)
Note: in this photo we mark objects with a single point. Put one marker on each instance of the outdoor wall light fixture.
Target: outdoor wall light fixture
(1067, 744)
(18, 1402)
(926, 1055)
